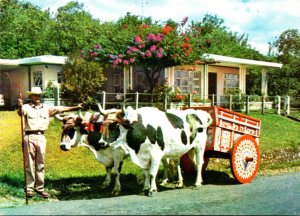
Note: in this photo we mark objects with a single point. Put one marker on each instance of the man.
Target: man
(36, 120)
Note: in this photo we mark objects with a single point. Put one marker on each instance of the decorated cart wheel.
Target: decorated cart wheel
(245, 159)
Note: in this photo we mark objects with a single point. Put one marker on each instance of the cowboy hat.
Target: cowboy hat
(35, 90)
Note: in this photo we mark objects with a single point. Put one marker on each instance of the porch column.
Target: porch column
(242, 79)
(127, 84)
(264, 82)
(169, 75)
(204, 81)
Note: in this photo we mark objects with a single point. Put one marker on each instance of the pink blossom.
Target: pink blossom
(160, 49)
(93, 54)
(126, 62)
(159, 55)
(153, 48)
(111, 56)
(151, 37)
(159, 37)
(131, 60)
(141, 46)
(97, 46)
(116, 61)
(134, 49)
(148, 53)
(128, 52)
(120, 55)
(137, 39)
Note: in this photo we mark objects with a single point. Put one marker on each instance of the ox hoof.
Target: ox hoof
(150, 193)
(179, 186)
(115, 193)
(196, 187)
(104, 186)
(163, 183)
(146, 192)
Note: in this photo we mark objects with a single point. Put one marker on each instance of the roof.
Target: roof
(11, 64)
(232, 61)
(219, 59)
(45, 59)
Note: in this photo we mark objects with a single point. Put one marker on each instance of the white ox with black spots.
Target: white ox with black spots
(150, 136)
(86, 131)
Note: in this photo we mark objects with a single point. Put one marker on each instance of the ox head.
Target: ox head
(73, 129)
(113, 118)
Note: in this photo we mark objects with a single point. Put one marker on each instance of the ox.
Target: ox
(150, 136)
(86, 131)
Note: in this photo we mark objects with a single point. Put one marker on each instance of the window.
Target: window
(59, 76)
(187, 81)
(231, 81)
(38, 79)
(118, 82)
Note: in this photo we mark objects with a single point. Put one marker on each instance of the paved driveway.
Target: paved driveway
(264, 196)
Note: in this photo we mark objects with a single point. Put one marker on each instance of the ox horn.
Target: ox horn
(59, 117)
(101, 110)
(123, 105)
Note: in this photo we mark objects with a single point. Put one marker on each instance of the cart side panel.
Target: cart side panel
(227, 127)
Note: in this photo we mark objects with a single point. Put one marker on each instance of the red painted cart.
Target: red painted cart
(234, 136)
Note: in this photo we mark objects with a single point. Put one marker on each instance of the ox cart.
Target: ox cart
(233, 136)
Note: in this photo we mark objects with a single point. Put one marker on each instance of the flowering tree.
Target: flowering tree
(154, 47)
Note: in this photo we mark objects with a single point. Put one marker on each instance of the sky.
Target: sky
(262, 20)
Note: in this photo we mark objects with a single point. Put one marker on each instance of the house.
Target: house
(20, 75)
(211, 78)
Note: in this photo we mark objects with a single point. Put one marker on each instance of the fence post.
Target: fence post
(103, 99)
(247, 104)
(230, 102)
(213, 100)
(263, 105)
(56, 95)
(136, 100)
(287, 105)
(165, 102)
(278, 104)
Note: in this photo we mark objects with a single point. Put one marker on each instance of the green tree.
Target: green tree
(74, 28)
(82, 79)
(23, 30)
(286, 48)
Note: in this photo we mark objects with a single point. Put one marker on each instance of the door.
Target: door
(212, 85)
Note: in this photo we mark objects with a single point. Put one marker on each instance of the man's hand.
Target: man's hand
(20, 102)
(80, 106)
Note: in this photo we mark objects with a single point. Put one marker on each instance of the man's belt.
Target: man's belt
(34, 132)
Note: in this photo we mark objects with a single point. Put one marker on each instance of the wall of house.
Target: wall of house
(221, 70)
(18, 83)
(49, 73)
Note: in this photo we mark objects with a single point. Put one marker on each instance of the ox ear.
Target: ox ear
(59, 117)
(101, 110)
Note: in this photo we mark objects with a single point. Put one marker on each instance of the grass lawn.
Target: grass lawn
(77, 175)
